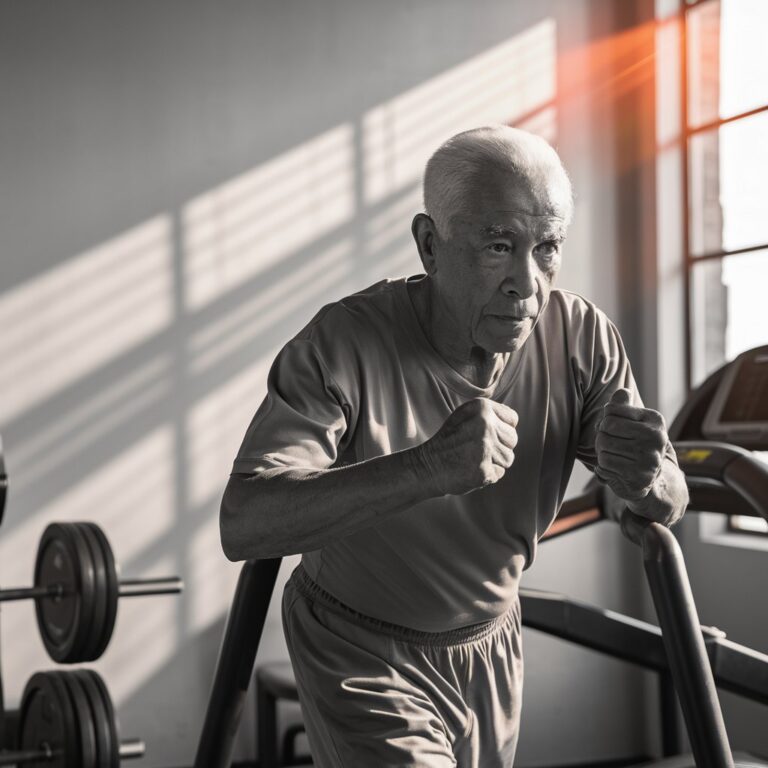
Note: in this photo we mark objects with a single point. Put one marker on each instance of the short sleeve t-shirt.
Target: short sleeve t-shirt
(362, 380)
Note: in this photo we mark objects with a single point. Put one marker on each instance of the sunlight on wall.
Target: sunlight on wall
(212, 581)
(498, 86)
(139, 485)
(290, 297)
(72, 319)
(217, 421)
(234, 232)
(73, 431)
(542, 122)
(216, 426)
(146, 636)
(607, 67)
(388, 242)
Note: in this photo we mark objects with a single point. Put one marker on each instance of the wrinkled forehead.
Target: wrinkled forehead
(540, 196)
(515, 210)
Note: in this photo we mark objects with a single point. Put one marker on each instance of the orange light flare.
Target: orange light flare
(615, 79)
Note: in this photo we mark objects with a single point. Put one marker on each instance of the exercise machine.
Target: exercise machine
(724, 477)
(722, 422)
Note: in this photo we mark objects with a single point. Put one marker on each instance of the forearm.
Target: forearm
(668, 497)
(286, 511)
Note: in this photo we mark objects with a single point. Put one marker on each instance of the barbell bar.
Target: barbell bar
(128, 588)
(129, 749)
(76, 589)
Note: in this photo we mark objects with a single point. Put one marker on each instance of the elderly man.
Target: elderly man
(416, 441)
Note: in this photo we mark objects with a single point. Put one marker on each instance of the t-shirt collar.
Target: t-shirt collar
(415, 335)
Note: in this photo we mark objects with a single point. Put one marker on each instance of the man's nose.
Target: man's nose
(519, 280)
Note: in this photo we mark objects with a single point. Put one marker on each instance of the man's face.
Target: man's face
(496, 266)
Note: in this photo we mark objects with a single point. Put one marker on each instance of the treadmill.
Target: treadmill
(723, 420)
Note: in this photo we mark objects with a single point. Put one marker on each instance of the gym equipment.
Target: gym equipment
(714, 411)
(67, 721)
(76, 589)
(275, 682)
(686, 654)
(234, 667)
(686, 647)
(722, 478)
(737, 411)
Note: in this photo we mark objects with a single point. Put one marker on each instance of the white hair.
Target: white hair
(462, 160)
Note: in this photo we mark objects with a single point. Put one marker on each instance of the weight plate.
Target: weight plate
(87, 593)
(100, 725)
(59, 618)
(84, 719)
(113, 588)
(110, 734)
(47, 718)
(93, 643)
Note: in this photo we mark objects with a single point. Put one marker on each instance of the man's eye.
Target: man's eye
(550, 248)
(499, 247)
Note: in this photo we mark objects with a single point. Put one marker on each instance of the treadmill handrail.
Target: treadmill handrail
(735, 468)
(683, 641)
(234, 666)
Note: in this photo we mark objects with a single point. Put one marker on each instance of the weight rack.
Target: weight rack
(67, 717)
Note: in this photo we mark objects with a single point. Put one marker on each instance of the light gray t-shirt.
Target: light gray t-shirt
(362, 380)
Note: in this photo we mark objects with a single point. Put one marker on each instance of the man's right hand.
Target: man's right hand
(472, 449)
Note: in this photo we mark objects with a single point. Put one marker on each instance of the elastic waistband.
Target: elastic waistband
(310, 589)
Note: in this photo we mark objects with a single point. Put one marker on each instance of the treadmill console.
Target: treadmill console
(738, 412)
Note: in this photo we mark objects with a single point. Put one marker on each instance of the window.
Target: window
(725, 117)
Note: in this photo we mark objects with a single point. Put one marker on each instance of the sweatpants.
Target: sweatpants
(375, 694)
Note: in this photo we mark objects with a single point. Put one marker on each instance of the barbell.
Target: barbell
(67, 720)
(76, 590)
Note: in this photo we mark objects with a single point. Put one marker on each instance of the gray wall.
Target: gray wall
(182, 185)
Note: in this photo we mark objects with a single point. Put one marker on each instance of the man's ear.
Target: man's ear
(425, 235)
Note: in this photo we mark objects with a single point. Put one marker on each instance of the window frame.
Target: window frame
(688, 132)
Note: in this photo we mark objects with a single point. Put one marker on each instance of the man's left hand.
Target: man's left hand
(630, 445)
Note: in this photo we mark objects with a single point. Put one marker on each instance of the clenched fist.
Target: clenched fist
(472, 449)
(630, 446)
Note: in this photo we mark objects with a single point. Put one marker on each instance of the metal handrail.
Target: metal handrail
(234, 667)
(672, 596)
(683, 640)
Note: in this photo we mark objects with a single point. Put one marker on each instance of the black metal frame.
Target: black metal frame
(234, 668)
(686, 652)
(736, 668)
